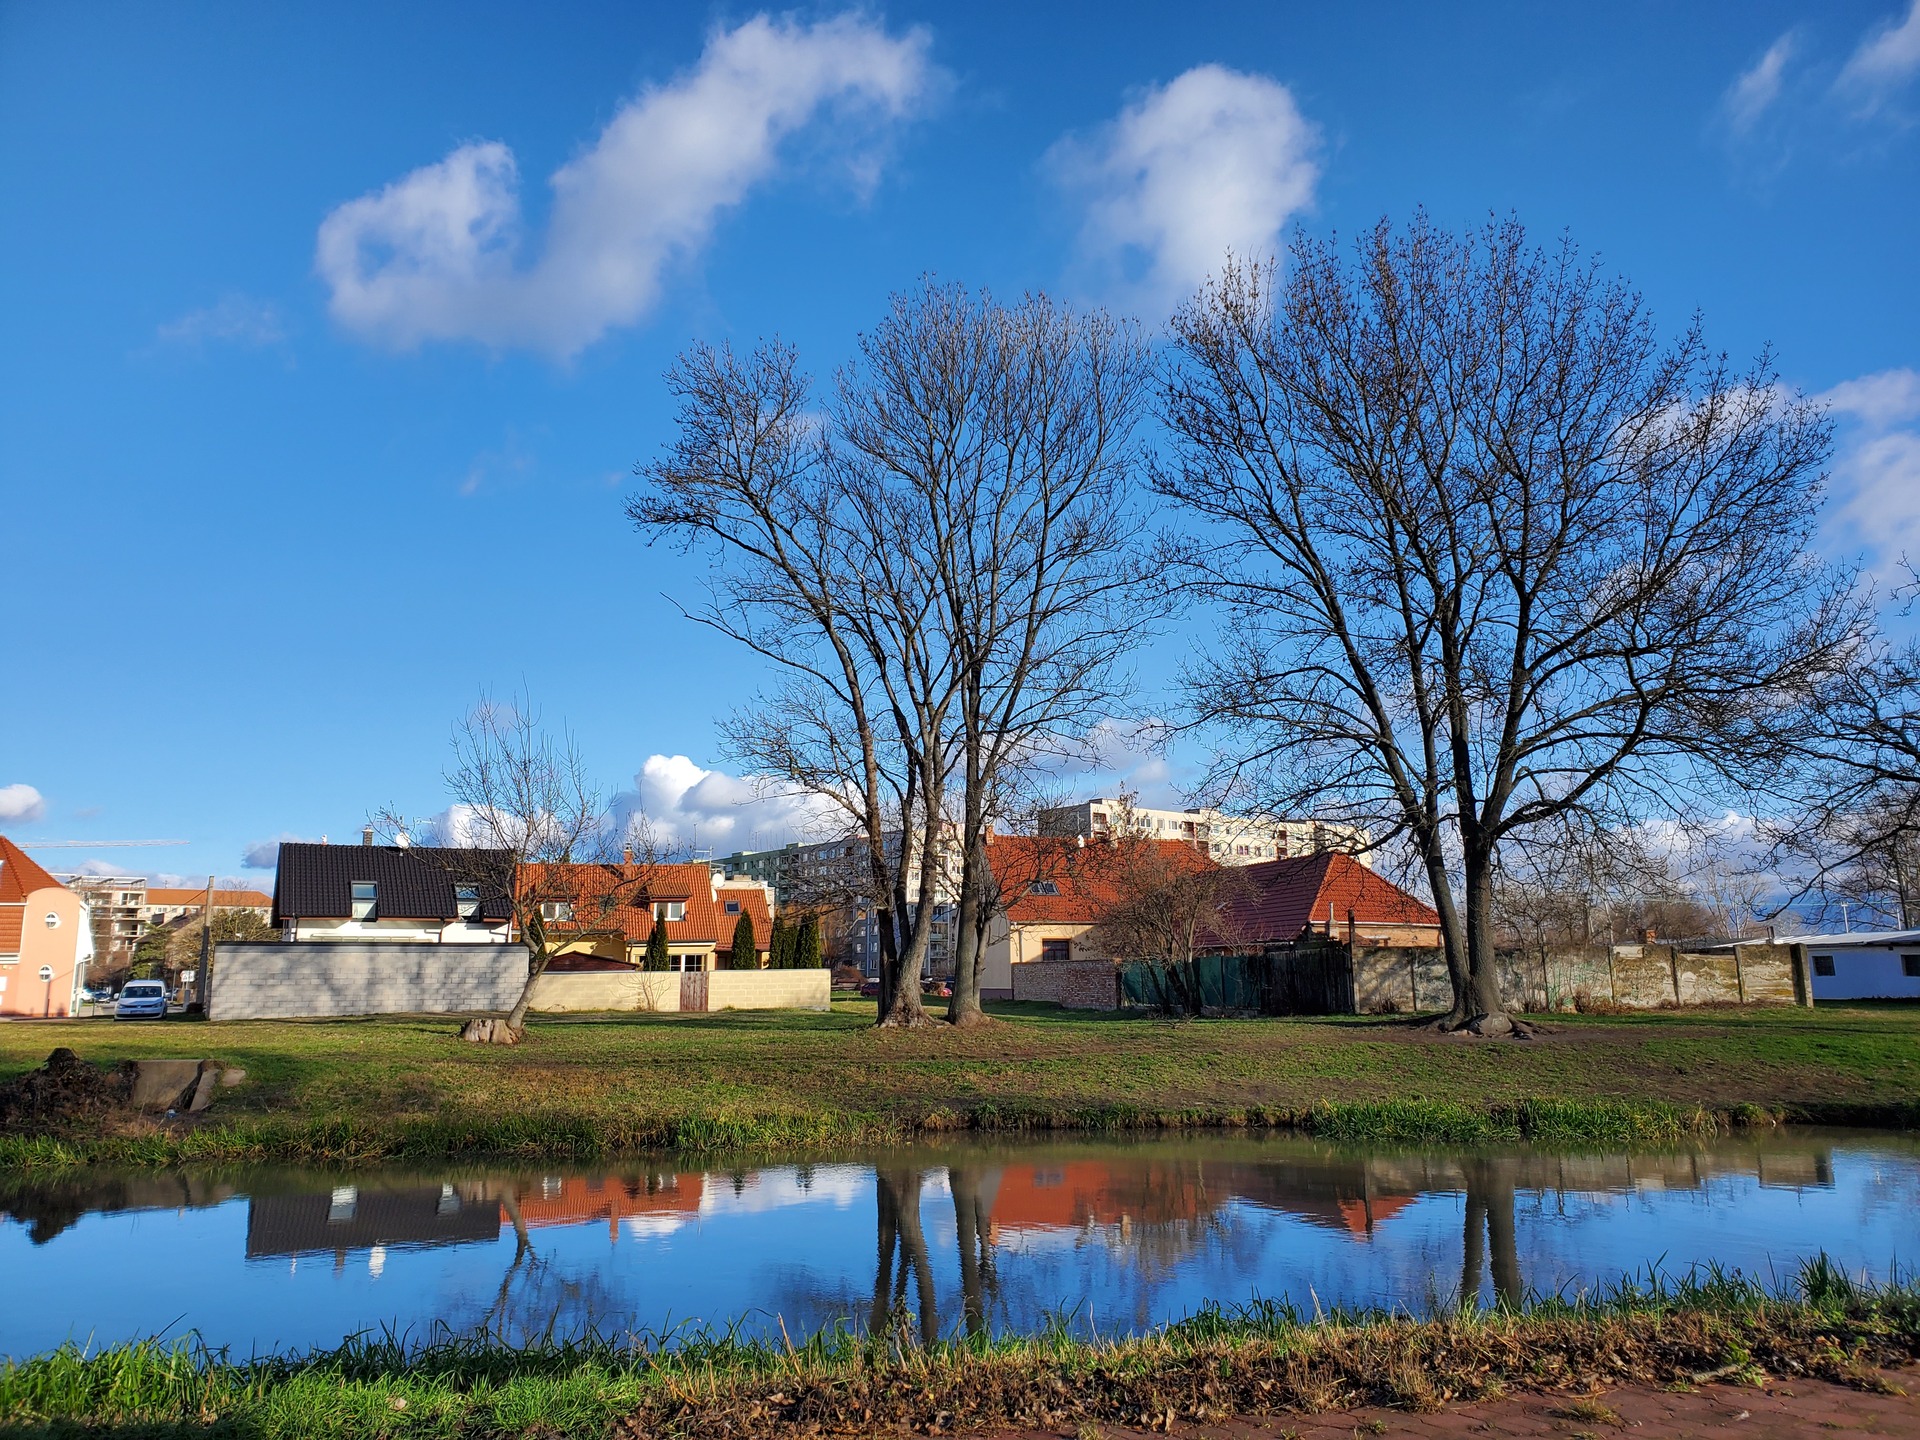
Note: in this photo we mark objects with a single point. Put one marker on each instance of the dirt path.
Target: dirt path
(1797, 1410)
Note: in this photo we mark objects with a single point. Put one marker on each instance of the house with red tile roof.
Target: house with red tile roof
(604, 915)
(1331, 895)
(1052, 892)
(46, 939)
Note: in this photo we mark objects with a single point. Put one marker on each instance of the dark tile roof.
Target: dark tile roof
(315, 882)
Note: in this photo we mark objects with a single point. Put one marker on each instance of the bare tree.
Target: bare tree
(1854, 835)
(940, 562)
(524, 811)
(1489, 554)
(1164, 903)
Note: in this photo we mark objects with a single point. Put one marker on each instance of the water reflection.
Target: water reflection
(973, 1239)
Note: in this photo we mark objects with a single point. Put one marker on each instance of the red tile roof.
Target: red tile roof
(236, 899)
(21, 874)
(620, 899)
(1284, 896)
(1083, 875)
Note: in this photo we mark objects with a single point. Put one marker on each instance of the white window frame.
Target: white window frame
(363, 909)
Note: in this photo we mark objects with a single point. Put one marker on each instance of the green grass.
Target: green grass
(1218, 1364)
(591, 1087)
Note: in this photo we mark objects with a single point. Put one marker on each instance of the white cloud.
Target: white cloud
(21, 804)
(1876, 473)
(1889, 397)
(437, 254)
(1749, 97)
(234, 319)
(688, 805)
(265, 854)
(1886, 58)
(1216, 161)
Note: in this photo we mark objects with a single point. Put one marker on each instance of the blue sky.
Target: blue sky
(293, 463)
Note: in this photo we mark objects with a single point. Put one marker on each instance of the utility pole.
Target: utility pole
(206, 946)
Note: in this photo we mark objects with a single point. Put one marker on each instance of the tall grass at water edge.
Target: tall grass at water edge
(1258, 1358)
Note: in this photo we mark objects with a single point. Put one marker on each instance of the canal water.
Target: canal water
(1105, 1238)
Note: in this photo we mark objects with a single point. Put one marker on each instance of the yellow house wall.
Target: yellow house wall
(1011, 945)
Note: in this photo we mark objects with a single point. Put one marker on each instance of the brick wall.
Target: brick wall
(280, 981)
(769, 990)
(1076, 984)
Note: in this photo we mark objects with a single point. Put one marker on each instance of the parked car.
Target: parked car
(938, 989)
(870, 989)
(142, 1000)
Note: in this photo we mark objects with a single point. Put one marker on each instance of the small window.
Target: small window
(1910, 966)
(556, 910)
(1043, 887)
(1823, 964)
(670, 910)
(733, 907)
(1056, 949)
(365, 895)
(466, 901)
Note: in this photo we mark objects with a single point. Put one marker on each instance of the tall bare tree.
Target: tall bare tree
(1488, 552)
(940, 562)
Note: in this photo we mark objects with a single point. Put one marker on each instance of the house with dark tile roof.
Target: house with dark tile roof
(420, 893)
(46, 939)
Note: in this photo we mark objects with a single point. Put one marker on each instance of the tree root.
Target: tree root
(490, 1031)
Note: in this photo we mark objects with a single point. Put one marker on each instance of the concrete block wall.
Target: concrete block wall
(770, 989)
(657, 991)
(300, 980)
(1075, 984)
(556, 992)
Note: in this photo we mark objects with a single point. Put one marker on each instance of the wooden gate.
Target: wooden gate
(693, 990)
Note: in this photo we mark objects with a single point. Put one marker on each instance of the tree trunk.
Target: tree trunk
(1488, 1008)
(965, 1008)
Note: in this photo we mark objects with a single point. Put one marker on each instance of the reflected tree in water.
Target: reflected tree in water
(973, 1194)
(898, 1194)
(1491, 1185)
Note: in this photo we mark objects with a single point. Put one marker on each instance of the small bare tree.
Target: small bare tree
(1489, 554)
(1165, 902)
(524, 812)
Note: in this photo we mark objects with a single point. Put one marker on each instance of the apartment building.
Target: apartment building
(1227, 839)
(126, 907)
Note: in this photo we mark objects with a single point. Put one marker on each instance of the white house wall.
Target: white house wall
(1864, 973)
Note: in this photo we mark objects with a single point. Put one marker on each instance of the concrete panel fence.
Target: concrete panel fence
(282, 981)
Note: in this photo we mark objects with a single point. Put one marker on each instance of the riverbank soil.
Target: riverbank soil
(1802, 1410)
(584, 1086)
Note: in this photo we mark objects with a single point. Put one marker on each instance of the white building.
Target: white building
(1864, 965)
(1229, 839)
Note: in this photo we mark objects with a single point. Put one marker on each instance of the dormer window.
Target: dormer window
(365, 896)
(466, 901)
(670, 910)
(556, 910)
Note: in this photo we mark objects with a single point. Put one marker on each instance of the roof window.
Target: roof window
(466, 901)
(1043, 887)
(365, 897)
(733, 907)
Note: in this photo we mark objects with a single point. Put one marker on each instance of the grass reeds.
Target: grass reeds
(1262, 1358)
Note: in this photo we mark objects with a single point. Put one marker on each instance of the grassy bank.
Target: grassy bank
(585, 1088)
(1264, 1360)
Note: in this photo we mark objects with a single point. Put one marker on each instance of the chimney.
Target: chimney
(626, 854)
(366, 836)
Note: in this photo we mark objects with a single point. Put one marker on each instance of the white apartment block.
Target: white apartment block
(1229, 839)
